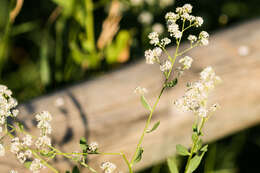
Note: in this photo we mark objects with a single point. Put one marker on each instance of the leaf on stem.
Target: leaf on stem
(195, 162)
(181, 150)
(139, 155)
(171, 162)
(171, 83)
(83, 144)
(145, 103)
(155, 126)
(204, 148)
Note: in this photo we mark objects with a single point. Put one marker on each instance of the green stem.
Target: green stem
(70, 157)
(44, 162)
(194, 144)
(146, 127)
(90, 24)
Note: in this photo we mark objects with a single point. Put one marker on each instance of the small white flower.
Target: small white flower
(154, 38)
(199, 21)
(172, 16)
(140, 91)
(2, 150)
(43, 142)
(192, 38)
(15, 112)
(28, 153)
(149, 56)
(27, 140)
(166, 66)
(204, 41)
(187, 8)
(93, 147)
(178, 34)
(186, 62)
(165, 41)
(21, 157)
(204, 34)
(108, 167)
(36, 165)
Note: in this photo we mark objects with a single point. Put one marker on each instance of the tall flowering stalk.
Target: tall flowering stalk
(35, 152)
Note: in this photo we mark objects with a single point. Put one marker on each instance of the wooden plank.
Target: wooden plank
(106, 110)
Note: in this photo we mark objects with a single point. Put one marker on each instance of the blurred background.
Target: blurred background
(44, 43)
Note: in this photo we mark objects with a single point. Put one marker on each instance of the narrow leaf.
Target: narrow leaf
(172, 165)
(155, 126)
(145, 103)
(181, 150)
(195, 162)
(139, 155)
(204, 148)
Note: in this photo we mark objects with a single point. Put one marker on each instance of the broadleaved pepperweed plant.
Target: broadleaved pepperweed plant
(35, 152)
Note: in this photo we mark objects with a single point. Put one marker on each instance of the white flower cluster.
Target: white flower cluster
(36, 165)
(43, 119)
(20, 148)
(108, 167)
(140, 91)
(204, 38)
(7, 105)
(92, 147)
(182, 13)
(186, 62)
(196, 96)
(153, 56)
(166, 66)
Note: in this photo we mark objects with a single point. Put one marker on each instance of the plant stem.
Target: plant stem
(194, 144)
(44, 162)
(90, 24)
(146, 126)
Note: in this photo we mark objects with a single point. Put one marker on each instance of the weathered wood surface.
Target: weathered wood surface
(106, 110)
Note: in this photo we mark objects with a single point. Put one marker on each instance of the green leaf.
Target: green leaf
(155, 126)
(171, 162)
(204, 148)
(83, 143)
(145, 103)
(195, 162)
(198, 145)
(20, 125)
(181, 150)
(194, 136)
(27, 164)
(75, 170)
(171, 83)
(139, 155)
